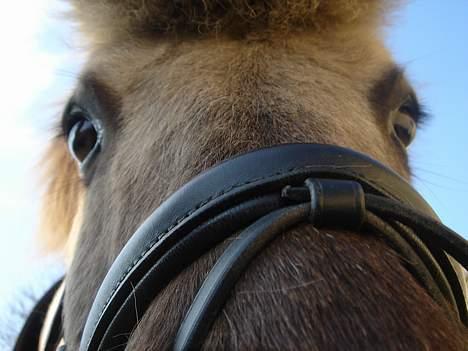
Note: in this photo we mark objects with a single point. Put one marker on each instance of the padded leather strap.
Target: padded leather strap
(253, 191)
(260, 172)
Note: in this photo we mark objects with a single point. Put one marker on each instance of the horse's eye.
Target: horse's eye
(403, 125)
(83, 138)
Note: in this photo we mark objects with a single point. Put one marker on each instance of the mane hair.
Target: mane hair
(107, 20)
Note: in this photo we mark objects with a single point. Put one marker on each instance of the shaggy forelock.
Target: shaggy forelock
(106, 20)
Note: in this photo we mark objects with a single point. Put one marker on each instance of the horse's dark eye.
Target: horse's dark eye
(403, 125)
(83, 139)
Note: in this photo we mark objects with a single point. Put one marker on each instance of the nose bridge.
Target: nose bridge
(238, 94)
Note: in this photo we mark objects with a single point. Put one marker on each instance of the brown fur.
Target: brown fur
(183, 103)
(106, 20)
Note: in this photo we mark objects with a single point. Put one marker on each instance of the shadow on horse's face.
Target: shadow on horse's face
(152, 111)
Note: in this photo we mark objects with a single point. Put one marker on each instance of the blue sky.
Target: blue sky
(429, 40)
(38, 69)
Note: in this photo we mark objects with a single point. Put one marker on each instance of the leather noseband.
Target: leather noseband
(260, 195)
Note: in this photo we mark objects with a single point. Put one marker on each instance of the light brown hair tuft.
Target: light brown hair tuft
(63, 191)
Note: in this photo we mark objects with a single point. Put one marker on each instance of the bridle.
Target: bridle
(257, 196)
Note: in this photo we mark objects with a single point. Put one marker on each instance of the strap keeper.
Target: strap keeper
(336, 204)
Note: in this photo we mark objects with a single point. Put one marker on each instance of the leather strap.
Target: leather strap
(28, 339)
(330, 186)
(332, 204)
(132, 276)
(52, 328)
(254, 191)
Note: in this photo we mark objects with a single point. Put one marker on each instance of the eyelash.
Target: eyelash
(413, 108)
(73, 112)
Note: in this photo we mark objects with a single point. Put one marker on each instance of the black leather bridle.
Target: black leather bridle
(258, 196)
